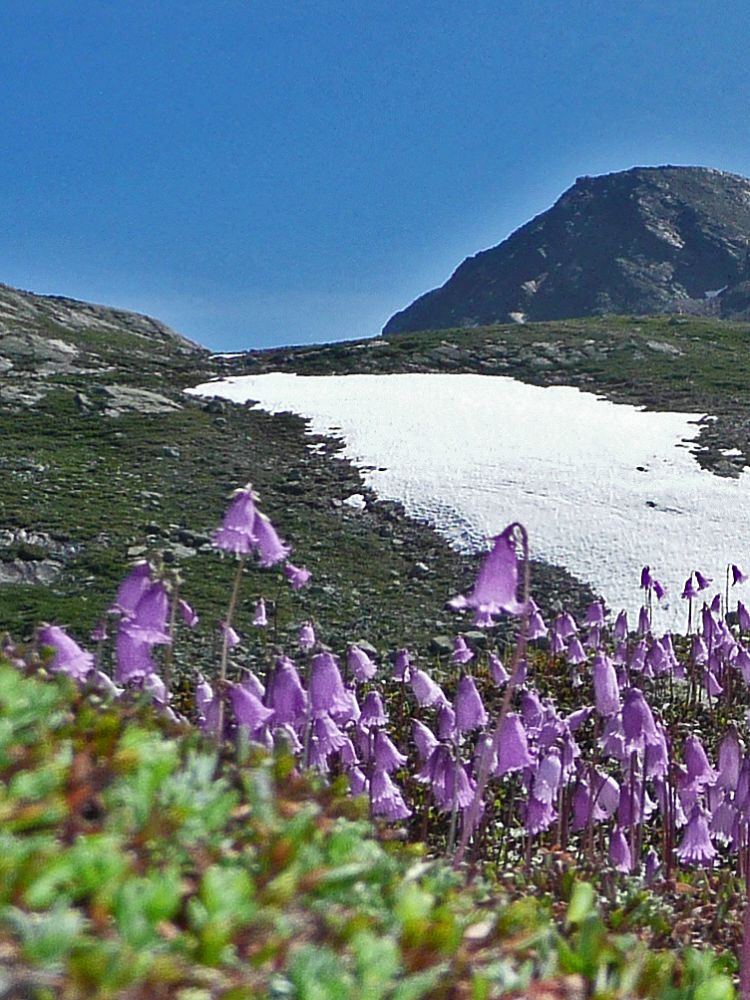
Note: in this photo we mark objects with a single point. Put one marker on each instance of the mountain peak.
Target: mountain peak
(643, 240)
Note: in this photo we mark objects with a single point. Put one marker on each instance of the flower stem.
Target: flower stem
(225, 647)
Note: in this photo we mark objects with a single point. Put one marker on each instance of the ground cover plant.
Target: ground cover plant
(562, 783)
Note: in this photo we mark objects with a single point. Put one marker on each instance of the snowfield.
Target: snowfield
(603, 488)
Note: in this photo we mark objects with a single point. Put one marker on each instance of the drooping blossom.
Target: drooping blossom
(231, 637)
(606, 688)
(743, 616)
(208, 706)
(513, 751)
(594, 614)
(248, 710)
(565, 625)
(696, 848)
(326, 688)
(699, 770)
(689, 591)
(496, 584)
(652, 865)
(270, 548)
(535, 627)
(619, 851)
(704, 582)
(470, 712)
(386, 798)
(461, 652)
(424, 740)
(737, 575)
(306, 636)
(99, 632)
(187, 614)
(359, 663)
(286, 695)
(385, 754)
(576, 653)
(69, 658)
(637, 721)
(498, 673)
(538, 816)
(133, 657)
(446, 723)
(260, 617)
(298, 576)
(730, 759)
(401, 666)
(237, 532)
(148, 620)
(132, 588)
(373, 713)
(547, 778)
(426, 690)
(620, 631)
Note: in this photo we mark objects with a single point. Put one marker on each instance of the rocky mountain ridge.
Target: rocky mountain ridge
(642, 241)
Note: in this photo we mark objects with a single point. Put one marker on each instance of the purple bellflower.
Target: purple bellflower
(149, 618)
(620, 631)
(69, 658)
(606, 688)
(696, 847)
(132, 588)
(133, 657)
(737, 575)
(298, 576)
(402, 666)
(496, 584)
(270, 548)
(187, 614)
(249, 711)
(704, 582)
(594, 614)
(260, 617)
(461, 652)
(326, 688)
(359, 663)
(237, 532)
(498, 673)
(513, 752)
(286, 695)
(426, 690)
(619, 851)
(373, 713)
(470, 712)
(306, 636)
(385, 798)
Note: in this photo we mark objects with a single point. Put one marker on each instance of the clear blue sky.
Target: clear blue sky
(258, 173)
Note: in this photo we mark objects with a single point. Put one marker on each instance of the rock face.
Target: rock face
(646, 240)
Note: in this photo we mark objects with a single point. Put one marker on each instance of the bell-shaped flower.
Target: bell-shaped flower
(270, 548)
(704, 582)
(689, 591)
(644, 621)
(646, 578)
(237, 531)
(132, 588)
(306, 636)
(461, 653)
(594, 614)
(132, 657)
(248, 710)
(538, 816)
(556, 643)
(619, 851)
(358, 783)
(699, 770)
(373, 713)
(69, 658)
(638, 723)
(446, 723)
(470, 712)
(148, 621)
(737, 575)
(326, 688)
(565, 625)
(497, 582)
(99, 632)
(576, 719)
(547, 777)
(606, 688)
(620, 631)
(260, 616)
(695, 847)
(350, 712)
(652, 865)
(532, 711)
(385, 754)
(576, 653)
(513, 751)
(286, 695)
(730, 759)
(424, 740)
(427, 692)
(229, 635)
(743, 616)
(535, 627)
(253, 684)
(187, 613)
(386, 798)
(208, 706)
(325, 739)
(498, 673)
(360, 665)
(298, 576)
(401, 666)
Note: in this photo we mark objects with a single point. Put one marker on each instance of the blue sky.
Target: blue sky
(259, 173)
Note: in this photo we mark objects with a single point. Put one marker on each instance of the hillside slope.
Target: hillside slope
(642, 241)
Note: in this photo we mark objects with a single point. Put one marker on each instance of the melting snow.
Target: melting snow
(603, 488)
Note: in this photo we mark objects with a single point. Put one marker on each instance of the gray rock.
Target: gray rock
(441, 644)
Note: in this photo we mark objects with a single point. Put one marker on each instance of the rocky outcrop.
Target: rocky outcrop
(646, 240)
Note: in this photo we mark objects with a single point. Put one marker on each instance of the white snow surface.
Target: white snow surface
(603, 488)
